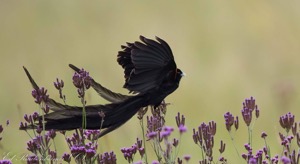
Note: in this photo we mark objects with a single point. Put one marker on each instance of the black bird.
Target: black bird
(150, 72)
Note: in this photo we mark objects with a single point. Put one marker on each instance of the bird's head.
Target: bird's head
(179, 74)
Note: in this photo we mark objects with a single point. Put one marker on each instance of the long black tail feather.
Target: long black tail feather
(102, 91)
(51, 103)
(65, 117)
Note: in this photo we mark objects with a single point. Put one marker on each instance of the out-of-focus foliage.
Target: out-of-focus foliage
(229, 50)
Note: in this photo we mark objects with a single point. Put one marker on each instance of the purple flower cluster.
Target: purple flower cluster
(40, 147)
(66, 157)
(154, 126)
(129, 152)
(158, 132)
(5, 161)
(287, 121)
(107, 158)
(229, 121)
(29, 120)
(91, 135)
(78, 152)
(59, 86)
(166, 132)
(248, 107)
(204, 137)
(81, 151)
(261, 156)
(180, 121)
(82, 81)
(83, 143)
(40, 95)
(32, 159)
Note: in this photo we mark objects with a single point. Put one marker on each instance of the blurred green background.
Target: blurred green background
(230, 50)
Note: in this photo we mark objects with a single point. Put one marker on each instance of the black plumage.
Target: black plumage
(150, 72)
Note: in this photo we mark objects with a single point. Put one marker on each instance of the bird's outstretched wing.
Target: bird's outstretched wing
(102, 91)
(146, 64)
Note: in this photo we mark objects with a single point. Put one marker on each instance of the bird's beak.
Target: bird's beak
(183, 74)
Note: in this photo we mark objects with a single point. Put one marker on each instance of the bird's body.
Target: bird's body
(150, 71)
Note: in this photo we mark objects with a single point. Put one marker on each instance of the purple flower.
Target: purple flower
(66, 157)
(222, 147)
(35, 116)
(33, 146)
(129, 152)
(248, 107)
(5, 161)
(256, 112)
(285, 160)
(139, 145)
(82, 81)
(222, 159)
(46, 109)
(91, 134)
(51, 134)
(23, 126)
(236, 123)
(252, 161)
(58, 84)
(205, 136)
(107, 158)
(40, 95)
(154, 123)
(179, 161)
(287, 121)
(187, 157)
(90, 153)
(263, 135)
(247, 147)
(165, 134)
(175, 142)
(245, 156)
(229, 120)
(52, 154)
(180, 120)
(247, 115)
(155, 162)
(77, 151)
(168, 129)
(32, 159)
(151, 135)
(182, 128)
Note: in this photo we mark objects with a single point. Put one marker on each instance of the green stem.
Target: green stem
(144, 140)
(202, 153)
(83, 114)
(83, 108)
(44, 147)
(249, 136)
(178, 148)
(236, 150)
(269, 151)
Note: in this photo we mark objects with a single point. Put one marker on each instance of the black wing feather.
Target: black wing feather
(102, 91)
(144, 64)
